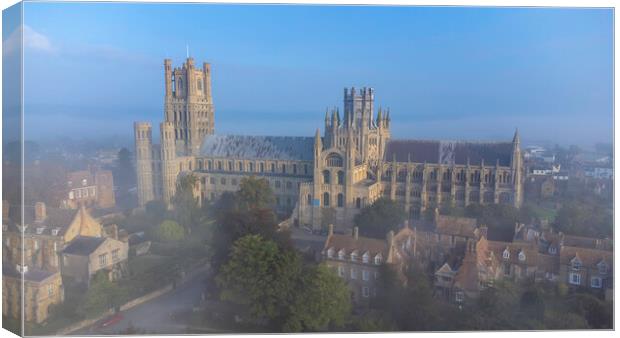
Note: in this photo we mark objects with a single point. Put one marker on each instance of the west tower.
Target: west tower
(189, 104)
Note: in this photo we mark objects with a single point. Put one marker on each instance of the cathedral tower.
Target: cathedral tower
(169, 168)
(144, 161)
(189, 104)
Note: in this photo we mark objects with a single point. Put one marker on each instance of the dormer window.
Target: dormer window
(55, 231)
(602, 268)
(330, 253)
(506, 254)
(576, 264)
(40, 230)
(354, 256)
(552, 250)
(378, 259)
(366, 257)
(522, 256)
(341, 254)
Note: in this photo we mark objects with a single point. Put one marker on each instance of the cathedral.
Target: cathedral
(324, 179)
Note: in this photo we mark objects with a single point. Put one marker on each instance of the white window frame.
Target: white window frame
(572, 280)
(365, 292)
(521, 256)
(378, 259)
(506, 254)
(103, 259)
(353, 273)
(459, 296)
(341, 254)
(365, 275)
(598, 285)
(353, 257)
(330, 253)
(366, 258)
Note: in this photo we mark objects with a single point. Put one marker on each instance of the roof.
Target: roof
(588, 257)
(32, 275)
(449, 152)
(588, 242)
(467, 277)
(457, 226)
(361, 244)
(529, 249)
(83, 245)
(258, 147)
(56, 219)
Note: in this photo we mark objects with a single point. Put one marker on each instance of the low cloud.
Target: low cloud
(32, 40)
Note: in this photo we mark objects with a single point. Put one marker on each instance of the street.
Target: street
(159, 315)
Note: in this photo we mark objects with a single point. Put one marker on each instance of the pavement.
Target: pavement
(162, 315)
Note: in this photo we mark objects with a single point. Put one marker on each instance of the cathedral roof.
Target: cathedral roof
(449, 152)
(258, 147)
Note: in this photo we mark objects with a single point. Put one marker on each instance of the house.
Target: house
(42, 288)
(589, 268)
(85, 256)
(358, 260)
(90, 188)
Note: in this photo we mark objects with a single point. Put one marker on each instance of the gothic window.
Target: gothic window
(309, 199)
(262, 167)
(251, 166)
(340, 177)
(230, 165)
(219, 165)
(294, 168)
(305, 169)
(326, 175)
(340, 200)
(273, 167)
(240, 166)
(326, 199)
(284, 168)
(289, 185)
(334, 160)
(199, 84)
(358, 203)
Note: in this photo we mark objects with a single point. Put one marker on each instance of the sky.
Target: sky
(91, 69)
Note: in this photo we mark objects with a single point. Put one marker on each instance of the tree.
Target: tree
(260, 276)
(254, 193)
(322, 298)
(379, 218)
(499, 218)
(124, 171)
(186, 209)
(102, 295)
(169, 231)
(156, 210)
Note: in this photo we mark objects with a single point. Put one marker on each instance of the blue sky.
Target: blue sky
(445, 73)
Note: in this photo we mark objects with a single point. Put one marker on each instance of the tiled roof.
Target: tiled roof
(258, 147)
(83, 245)
(588, 257)
(530, 251)
(457, 226)
(449, 152)
(32, 275)
(362, 244)
(587, 242)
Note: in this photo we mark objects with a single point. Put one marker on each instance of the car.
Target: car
(111, 320)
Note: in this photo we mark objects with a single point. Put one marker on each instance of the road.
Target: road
(158, 315)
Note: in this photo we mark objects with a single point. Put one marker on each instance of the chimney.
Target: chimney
(39, 212)
(355, 233)
(5, 209)
(330, 230)
(483, 231)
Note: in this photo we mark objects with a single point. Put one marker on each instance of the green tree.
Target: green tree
(322, 299)
(379, 218)
(260, 276)
(169, 231)
(124, 173)
(254, 193)
(102, 295)
(156, 210)
(186, 209)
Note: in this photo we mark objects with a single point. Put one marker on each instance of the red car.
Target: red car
(111, 320)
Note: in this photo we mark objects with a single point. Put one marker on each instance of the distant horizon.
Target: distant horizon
(458, 73)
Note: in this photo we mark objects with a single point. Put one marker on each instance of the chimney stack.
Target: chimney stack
(355, 233)
(39, 212)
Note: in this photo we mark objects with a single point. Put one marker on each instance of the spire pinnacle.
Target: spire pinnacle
(516, 139)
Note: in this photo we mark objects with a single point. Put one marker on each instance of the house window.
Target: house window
(552, 250)
(284, 168)
(459, 296)
(273, 168)
(365, 258)
(506, 254)
(262, 167)
(521, 256)
(353, 273)
(596, 282)
(365, 292)
(341, 271)
(574, 278)
(103, 260)
(353, 256)
(376, 274)
(341, 254)
(340, 200)
(50, 290)
(365, 275)
(378, 260)
(576, 265)
(330, 253)
(602, 269)
(326, 199)
(115, 255)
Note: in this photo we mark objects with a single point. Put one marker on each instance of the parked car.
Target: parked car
(111, 320)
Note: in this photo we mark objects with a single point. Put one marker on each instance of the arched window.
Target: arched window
(326, 176)
(309, 199)
(358, 203)
(199, 84)
(340, 177)
(333, 160)
(340, 200)
(326, 199)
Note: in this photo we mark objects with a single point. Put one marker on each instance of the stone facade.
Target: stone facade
(326, 179)
(41, 289)
(89, 188)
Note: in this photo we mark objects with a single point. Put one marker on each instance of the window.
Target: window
(341, 254)
(326, 177)
(273, 168)
(50, 290)
(602, 268)
(506, 254)
(365, 292)
(284, 168)
(330, 253)
(305, 169)
(289, 185)
(103, 259)
(294, 168)
(309, 199)
(354, 256)
(340, 200)
(341, 271)
(521, 256)
(576, 264)
(251, 166)
(278, 184)
(326, 199)
(262, 167)
(40, 230)
(212, 180)
(596, 282)
(552, 250)
(574, 278)
(365, 275)
(223, 181)
(358, 203)
(365, 257)
(378, 259)
(353, 273)
(376, 274)
(115, 255)
(459, 296)
(240, 165)
(233, 181)
(340, 177)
